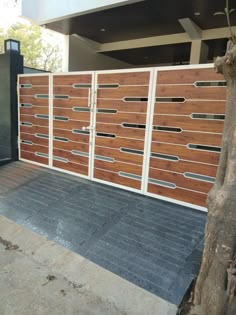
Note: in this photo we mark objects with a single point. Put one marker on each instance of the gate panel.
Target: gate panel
(122, 102)
(187, 129)
(34, 118)
(72, 102)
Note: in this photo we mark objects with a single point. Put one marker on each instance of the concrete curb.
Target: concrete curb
(127, 297)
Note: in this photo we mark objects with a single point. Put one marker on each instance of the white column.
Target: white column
(199, 52)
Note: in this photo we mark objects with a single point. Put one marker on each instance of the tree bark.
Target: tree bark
(215, 290)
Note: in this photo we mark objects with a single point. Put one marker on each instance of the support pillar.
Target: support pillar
(11, 64)
(199, 52)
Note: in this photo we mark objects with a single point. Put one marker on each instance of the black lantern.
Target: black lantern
(12, 46)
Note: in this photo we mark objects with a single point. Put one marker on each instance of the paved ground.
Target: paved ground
(154, 244)
(40, 277)
(25, 290)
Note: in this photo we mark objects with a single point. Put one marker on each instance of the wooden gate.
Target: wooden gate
(188, 119)
(72, 102)
(155, 131)
(34, 118)
(122, 106)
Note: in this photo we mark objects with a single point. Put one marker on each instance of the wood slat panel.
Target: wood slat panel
(34, 90)
(69, 146)
(191, 92)
(71, 157)
(34, 110)
(85, 116)
(34, 139)
(70, 91)
(118, 167)
(72, 167)
(120, 142)
(123, 106)
(69, 124)
(186, 137)
(34, 120)
(72, 79)
(180, 180)
(71, 102)
(34, 148)
(186, 154)
(187, 123)
(34, 129)
(129, 78)
(115, 178)
(190, 107)
(187, 76)
(184, 166)
(34, 80)
(133, 133)
(123, 91)
(71, 136)
(120, 118)
(192, 197)
(33, 101)
(119, 156)
(32, 157)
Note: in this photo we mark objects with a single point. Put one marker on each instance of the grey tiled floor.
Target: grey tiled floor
(154, 244)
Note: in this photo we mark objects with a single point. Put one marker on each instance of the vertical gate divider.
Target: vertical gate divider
(50, 121)
(18, 115)
(92, 124)
(148, 133)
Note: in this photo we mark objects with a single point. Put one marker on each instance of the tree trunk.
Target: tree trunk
(215, 290)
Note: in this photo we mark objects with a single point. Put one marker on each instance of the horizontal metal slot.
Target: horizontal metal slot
(104, 158)
(41, 154)
(161, 183)
(170, 99)
(81, 109)
(41, 95)
(26, 86)
(207, 116)
(26, 105)
(25, 123)
(41, 116)
(82, 86)
(107, 111)
(210, 83)
(76, 152)
(127, 125)
(132, 151)
(171, 129)
(107, 135)
(203, 147)
(199, 177)
(60, 159)
(40, 135)
(27, 142)
(128, 175)
(108, 86)
(165, 156)
(61, 97)
(81, 132)
(61, 139)
(61, 118)
(135, 99)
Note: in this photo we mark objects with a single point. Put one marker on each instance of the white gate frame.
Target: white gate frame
(148, 132)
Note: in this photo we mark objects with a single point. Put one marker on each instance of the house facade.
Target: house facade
(119, 34)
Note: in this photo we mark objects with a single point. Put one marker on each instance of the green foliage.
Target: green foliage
(38, 46)
(227, 12)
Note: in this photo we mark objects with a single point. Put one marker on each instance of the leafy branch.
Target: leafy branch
(227, 12)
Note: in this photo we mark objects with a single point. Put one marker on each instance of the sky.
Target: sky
(8, 13)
